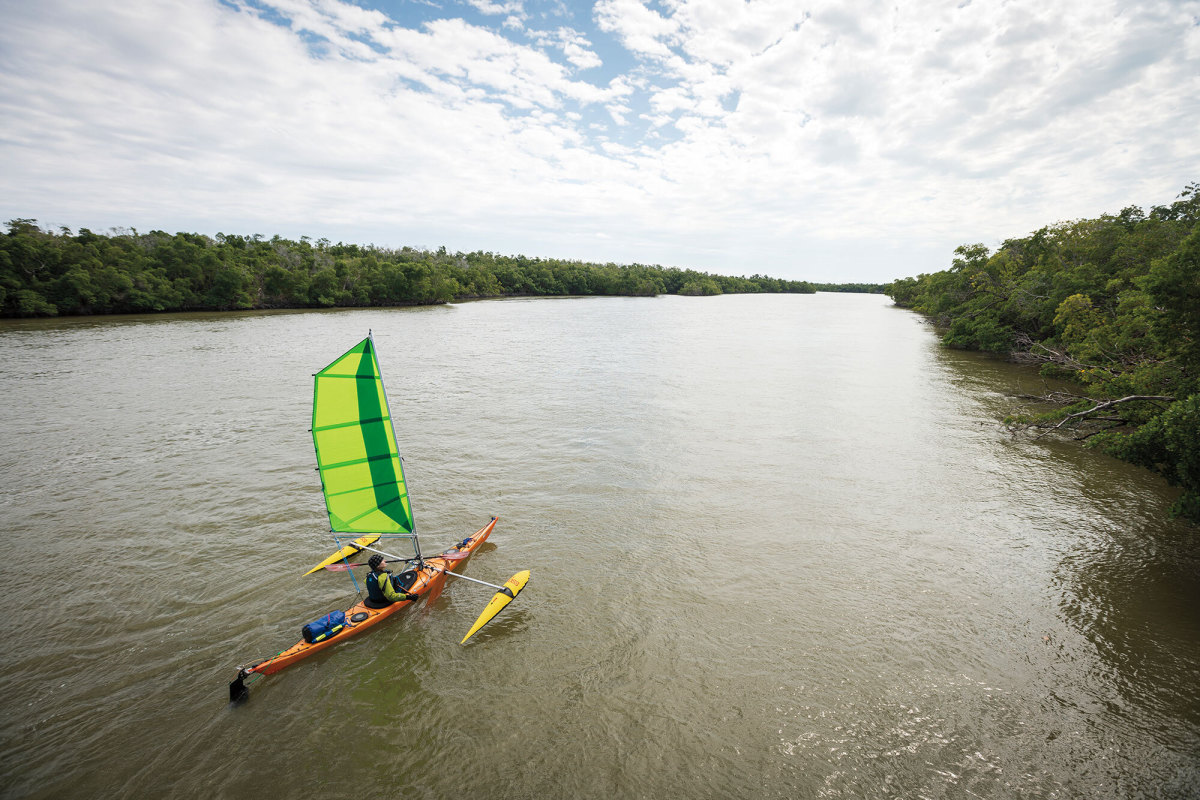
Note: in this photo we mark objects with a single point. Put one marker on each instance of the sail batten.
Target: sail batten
(362, 474)
(354, 461)
(352, 490)
(350, 424)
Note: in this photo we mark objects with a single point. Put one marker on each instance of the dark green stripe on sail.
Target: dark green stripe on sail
(377, 440)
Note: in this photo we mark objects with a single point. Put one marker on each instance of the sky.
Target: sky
(837, 142)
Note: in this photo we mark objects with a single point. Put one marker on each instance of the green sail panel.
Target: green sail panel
(361, 472)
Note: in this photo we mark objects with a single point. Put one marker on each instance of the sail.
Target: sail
(361, 472)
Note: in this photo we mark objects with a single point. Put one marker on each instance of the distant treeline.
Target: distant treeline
(857, 288)
(43, 273)
(1112, 304)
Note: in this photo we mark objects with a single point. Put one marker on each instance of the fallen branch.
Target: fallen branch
(1103, 404)
(1086, 415)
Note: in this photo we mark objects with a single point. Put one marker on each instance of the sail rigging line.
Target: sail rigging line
(394, 557)
(353, 580)
(343, 567)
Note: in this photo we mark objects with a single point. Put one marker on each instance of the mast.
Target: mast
(416, 540)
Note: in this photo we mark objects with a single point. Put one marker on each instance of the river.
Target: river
(779, 548)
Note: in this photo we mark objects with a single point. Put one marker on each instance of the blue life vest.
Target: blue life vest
(375, 592)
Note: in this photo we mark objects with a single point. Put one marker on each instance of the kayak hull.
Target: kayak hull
(360, 617)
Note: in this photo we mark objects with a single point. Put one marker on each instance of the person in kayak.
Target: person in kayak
(382, 584)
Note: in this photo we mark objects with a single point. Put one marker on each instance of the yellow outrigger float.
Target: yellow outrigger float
(366, 496)
(352, 549)
(499, 600)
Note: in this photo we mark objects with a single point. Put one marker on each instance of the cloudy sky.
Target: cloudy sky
(830, 141)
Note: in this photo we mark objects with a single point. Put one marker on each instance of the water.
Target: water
(779, 547)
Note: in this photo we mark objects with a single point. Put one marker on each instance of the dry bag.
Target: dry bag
(321, 629)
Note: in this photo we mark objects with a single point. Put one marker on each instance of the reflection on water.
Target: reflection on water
(780, 547)
(1133, 597)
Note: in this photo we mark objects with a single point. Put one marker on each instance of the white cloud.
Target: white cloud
(731, 131)
(511, 8)
(640, 29)
(575, 47)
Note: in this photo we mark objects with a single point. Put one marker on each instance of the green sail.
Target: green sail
(361, 472)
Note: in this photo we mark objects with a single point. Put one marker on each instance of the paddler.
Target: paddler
(382, 585)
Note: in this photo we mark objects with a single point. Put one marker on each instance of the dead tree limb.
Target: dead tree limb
(1050, 423)
(1103, 404)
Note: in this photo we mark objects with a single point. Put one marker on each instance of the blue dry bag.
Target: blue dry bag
(323, 628)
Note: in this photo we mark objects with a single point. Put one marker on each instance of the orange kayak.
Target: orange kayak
(429, 580)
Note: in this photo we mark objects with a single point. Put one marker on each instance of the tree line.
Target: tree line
(46, 273)
(1113, 305)
(855, 288)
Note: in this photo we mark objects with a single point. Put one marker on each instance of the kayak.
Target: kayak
(366, 496)
(354, 547)
(427, 579)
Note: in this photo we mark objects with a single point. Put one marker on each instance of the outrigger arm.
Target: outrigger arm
(442, 570)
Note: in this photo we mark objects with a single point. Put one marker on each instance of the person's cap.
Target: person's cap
(375, 560)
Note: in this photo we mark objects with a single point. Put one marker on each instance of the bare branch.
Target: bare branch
(1087, 416)
(1103, 404)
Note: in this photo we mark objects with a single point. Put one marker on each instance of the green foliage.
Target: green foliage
(1170, 445)
(1111, 303)
(705, 286)
(984, 333)
(853, 288)
(47, 274)
(1173, 288)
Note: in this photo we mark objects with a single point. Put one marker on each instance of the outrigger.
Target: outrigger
(366, 496)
